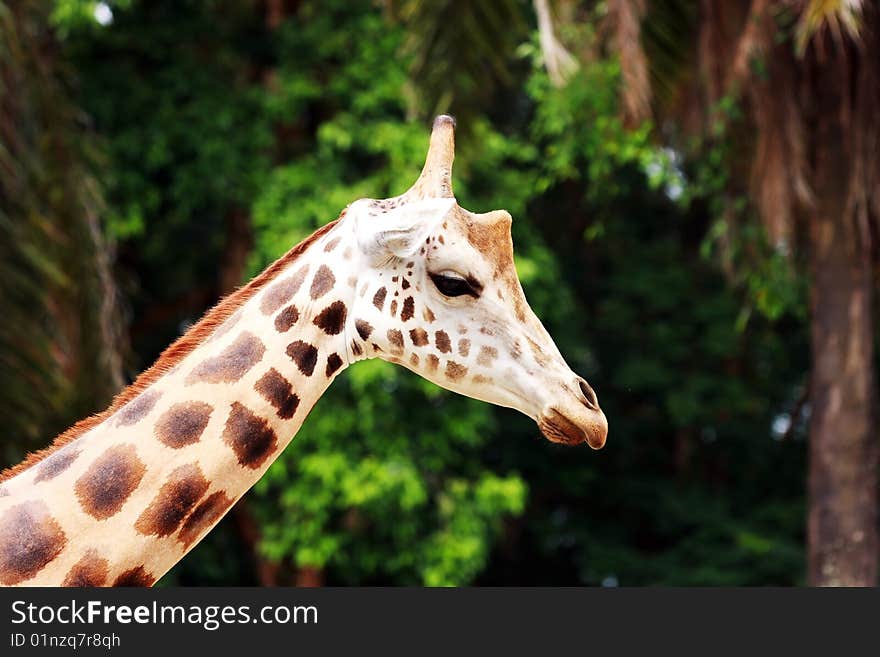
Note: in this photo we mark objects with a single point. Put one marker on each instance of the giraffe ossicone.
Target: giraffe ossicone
(417, 280)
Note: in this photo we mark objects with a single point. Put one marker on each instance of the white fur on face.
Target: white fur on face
(486, 343)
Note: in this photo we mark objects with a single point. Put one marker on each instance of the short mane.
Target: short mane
(178, 350)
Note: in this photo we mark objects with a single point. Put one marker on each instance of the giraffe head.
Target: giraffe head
(438, 293)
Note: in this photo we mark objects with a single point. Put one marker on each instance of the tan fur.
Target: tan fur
(490, 235)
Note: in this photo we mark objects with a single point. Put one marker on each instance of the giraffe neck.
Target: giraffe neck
(126, 499)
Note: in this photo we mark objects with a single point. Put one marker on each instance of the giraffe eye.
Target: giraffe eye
(451, 285)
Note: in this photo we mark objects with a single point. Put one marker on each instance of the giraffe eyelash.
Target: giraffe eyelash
(453, 285)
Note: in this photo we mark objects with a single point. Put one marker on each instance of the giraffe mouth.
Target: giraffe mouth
(558, 428)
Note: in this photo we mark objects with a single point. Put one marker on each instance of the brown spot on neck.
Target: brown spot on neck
(109, 481)
(30, 538)
(249, 436)
(304, 355)
(232, 363)
(56, 464)
(283, 291)
(334, 362)
(322, 283)
(203, 517)
(91, 570)
(178, 496)
(277, 391)
(286, 318)
(332, 318)
(183, 423)
(135, 577)
(137, 408)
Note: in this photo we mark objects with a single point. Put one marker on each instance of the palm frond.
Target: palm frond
(60, 337)
(841, 18)
(460, 51)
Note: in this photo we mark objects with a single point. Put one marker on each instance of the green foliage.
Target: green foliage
(458, 550)
(764, 274)
(580, 128)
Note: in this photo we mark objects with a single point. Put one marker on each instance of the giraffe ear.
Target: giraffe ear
(400, 231)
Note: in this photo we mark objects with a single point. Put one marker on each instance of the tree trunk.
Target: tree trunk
(842, 517)
(239, 242)
(310, 577)
(267, 571)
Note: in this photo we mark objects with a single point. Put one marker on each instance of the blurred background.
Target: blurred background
(695, 187)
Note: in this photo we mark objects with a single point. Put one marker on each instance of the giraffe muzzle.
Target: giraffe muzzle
(578, 419)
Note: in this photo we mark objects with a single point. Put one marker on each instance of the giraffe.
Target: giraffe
(416, 279)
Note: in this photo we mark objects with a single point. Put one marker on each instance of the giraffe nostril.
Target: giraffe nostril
(589, 396)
